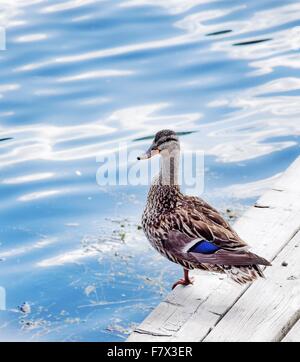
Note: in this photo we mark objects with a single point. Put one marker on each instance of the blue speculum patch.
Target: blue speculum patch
(204, 247)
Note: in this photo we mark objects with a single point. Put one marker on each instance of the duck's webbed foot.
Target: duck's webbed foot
(186, 280)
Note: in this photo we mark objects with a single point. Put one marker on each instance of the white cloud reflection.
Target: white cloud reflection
(7, 114)
(269, 65)
(11, 9)
(40, 141)
(244, 134)
(67, 5)
(172, 6)
(95, 74)
(40, 244)
(72, 256)
(39, 195)
(8, 87)
(192, 34)
(31, 38)
(28, 178)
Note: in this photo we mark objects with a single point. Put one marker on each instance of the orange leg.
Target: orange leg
(186, 280)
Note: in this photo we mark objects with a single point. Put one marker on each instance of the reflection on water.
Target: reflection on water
(77, 78)
(221, 32)
(251, 42)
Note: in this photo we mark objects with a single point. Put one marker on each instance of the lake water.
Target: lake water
(79, 77)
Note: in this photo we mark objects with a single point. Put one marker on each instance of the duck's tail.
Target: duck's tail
(246, 267)
(244, 274)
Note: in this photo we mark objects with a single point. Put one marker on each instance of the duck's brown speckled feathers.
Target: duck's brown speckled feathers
(174, 222)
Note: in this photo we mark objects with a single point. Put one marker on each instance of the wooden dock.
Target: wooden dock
(267, 310)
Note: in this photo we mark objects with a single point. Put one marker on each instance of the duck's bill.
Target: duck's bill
(150, 153)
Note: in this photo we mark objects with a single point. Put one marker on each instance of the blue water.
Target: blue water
(77, 78)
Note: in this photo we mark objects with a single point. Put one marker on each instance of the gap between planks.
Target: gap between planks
(293, 334)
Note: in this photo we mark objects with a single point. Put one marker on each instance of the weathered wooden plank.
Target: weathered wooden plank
(294, 334)
(189, 313)
(268, 309)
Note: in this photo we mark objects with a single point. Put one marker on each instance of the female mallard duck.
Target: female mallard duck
(186, 229)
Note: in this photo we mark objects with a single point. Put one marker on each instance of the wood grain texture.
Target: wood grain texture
(270, 307)
(193, 313)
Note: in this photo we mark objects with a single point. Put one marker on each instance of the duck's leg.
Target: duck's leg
(186, 280)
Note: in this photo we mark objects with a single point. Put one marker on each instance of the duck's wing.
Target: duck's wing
(199, 251)
(197, 219)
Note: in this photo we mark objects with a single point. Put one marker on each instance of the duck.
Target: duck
(186, 229)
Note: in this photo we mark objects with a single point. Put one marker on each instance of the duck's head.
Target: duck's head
(165, 143)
